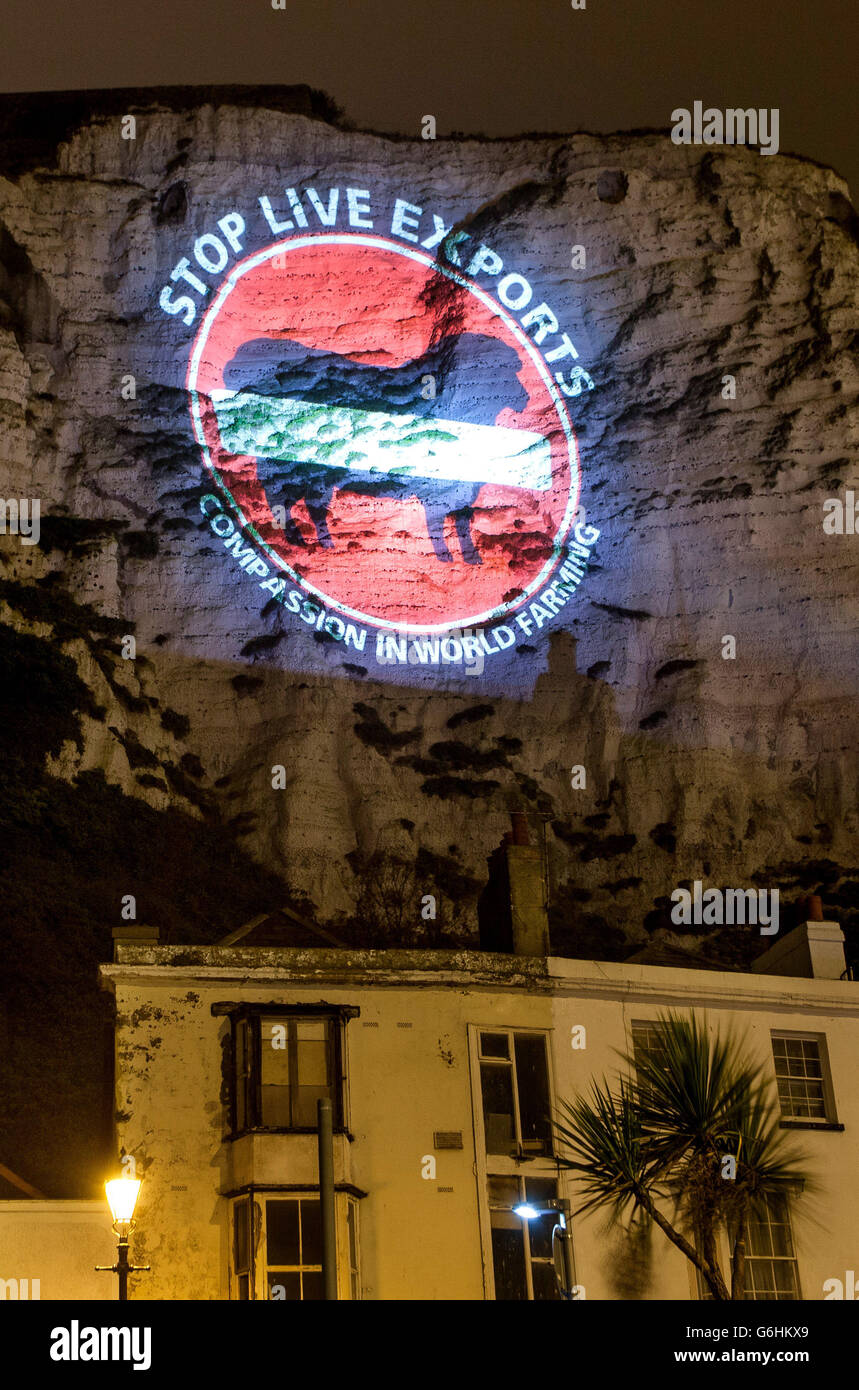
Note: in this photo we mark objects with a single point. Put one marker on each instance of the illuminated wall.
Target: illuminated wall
(385, 414)
(440, 475)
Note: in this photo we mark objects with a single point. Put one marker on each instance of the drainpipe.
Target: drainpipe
(325, 1140)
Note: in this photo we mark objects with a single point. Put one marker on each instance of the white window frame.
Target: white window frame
(511, 1033)
(522, 1177)
(829, 1116)
(651, 1023)
(264, 1267)
(503, 1165)
(348, 1275)
(781, 1259)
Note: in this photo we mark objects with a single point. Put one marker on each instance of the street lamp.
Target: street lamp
(527, 1212)
(562, 1240)
(122, 1194)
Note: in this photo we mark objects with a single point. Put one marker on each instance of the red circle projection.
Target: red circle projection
(386, 431)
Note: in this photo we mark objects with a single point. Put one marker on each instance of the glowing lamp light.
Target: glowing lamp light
(122, 1196)
(527, 1212)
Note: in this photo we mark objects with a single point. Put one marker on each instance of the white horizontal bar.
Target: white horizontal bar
(375, 441)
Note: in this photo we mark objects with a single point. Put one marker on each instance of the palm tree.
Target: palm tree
(697, 1131)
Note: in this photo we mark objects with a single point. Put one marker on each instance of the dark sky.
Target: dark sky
(492, 66)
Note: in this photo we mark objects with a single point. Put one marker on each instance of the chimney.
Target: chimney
(136, 934)
(811, 908)
(529, 918)
(812, 951)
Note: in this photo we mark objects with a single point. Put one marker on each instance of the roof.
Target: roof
(228, 967)
(283, 927)
(12, 1185)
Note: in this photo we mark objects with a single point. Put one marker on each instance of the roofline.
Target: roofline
(478, 971)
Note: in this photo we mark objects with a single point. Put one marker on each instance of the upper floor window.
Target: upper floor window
(283, 1062)
(514, 1081)
(648, 1042)
(802, 1076)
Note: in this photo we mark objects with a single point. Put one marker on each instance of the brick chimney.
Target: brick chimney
(814, 950)
(512, 909)
(135, 934)
(528, 896)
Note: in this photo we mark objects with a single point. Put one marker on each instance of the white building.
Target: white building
(441, 1067)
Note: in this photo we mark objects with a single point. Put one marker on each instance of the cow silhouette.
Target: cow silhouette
(322, 415)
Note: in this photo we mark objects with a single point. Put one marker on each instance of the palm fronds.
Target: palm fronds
(697, 1129)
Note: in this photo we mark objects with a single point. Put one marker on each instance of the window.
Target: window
(242, 1073)
(771, 1269)
(802, 1076)
(293, 1248)
(514, 1082)
(295, 1070)
(277, 1247)
(771, 1266)
(511, 1069)
(352, 1232)
(283, 1063)
(242, 1247)
(647, 1042)
(522, 1250)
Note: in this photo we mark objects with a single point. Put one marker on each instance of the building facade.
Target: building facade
(441, 1068)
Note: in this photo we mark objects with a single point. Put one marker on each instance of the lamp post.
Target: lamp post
(122, 1194)
(562, 1240)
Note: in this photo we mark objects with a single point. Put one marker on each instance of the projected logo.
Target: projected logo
(388, 435)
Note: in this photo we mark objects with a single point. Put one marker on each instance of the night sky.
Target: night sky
(498, 67)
